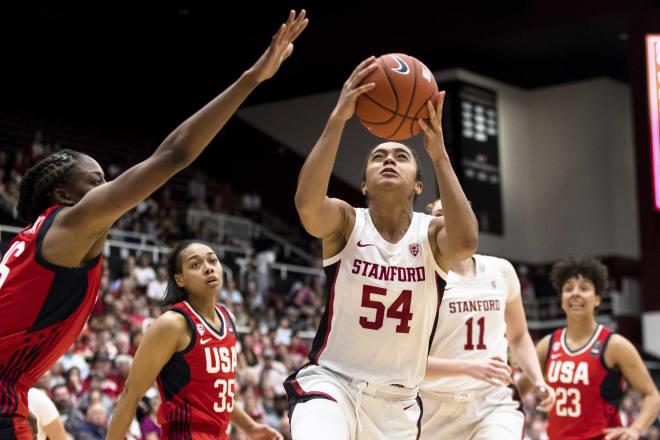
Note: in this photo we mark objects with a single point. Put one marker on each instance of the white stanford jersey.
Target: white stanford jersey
(382, 306)
(471, 323)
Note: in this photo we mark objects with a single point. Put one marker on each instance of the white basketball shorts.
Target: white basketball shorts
(472, 415)
(326, 405)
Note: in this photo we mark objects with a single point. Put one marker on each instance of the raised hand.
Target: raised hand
(433, 139)
(352, 89)
(493, 371)
(546, 395)
(280, 47)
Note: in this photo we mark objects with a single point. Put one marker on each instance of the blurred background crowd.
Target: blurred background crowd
(277, 311)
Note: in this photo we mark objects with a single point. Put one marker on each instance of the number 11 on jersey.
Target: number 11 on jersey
(481, 322)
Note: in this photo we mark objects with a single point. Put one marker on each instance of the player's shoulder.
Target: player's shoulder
(495, 264)
(493, 261)
(170, 321)
(618, 342)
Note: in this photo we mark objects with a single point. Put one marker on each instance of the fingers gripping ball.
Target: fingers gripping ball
(403, 86)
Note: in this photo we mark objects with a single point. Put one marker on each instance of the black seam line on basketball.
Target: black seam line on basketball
(412, 96)
(419, 110)
(388, 121)
(396, 95)
(394, 113)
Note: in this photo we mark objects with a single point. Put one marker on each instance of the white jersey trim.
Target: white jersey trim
(588, 345)
(206, 325)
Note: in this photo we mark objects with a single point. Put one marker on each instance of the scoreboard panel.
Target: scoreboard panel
(471, 136)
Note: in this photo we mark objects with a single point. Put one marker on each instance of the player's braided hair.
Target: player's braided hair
(39, 183)
(589, 267)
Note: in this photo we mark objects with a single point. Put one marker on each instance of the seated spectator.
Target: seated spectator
(273, 372)
(157, 287)
(283, 333)
(144, 273)
(49, 424)
(123, 365)
(230, 294)
(96, 423)
(73, 383)
(298, 349)
(136, 337)
(71, 417)
(123, 343)
(95, 394)
(149, 426)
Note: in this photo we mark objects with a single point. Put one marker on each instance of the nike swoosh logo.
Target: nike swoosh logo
(359, 243)
(555, 356)
(403, 68)
(409, 406)
(204, 341)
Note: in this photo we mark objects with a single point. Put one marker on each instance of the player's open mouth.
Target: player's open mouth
(389, 171)
(210, 280)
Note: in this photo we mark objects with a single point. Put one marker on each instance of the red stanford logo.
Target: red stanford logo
(414, 249)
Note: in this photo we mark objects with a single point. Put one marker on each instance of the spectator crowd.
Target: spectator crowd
(276, 317)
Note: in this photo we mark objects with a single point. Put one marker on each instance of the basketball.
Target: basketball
(403, 86)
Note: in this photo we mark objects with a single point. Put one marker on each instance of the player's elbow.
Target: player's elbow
(465, 246)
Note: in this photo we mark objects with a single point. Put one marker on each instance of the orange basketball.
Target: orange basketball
(403, 86)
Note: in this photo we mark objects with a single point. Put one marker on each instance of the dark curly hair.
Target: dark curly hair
(39, 183)
(418, 177)
(589, 267)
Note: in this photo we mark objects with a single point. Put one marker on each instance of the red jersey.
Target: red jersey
(588, 392)
(43, 308)
(197, 384)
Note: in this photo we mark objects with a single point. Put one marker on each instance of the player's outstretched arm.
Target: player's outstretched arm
(525, 384)
(520, 341)
(522, 348)
(458, 239)
(254, 430)
(493, 371)
(155, 350)
(622, 354)
(101, 206)
(320, 215)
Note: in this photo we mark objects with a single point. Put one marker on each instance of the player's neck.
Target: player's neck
(466, 268)
(204, 306)
(580, 328)
(391, 221)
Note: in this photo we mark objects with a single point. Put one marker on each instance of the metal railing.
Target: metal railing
(245, 230)
(133, 241)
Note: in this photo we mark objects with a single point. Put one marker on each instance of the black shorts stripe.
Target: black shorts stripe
(421, 413)
(440, 285)
(7, 431)
(324, 329)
